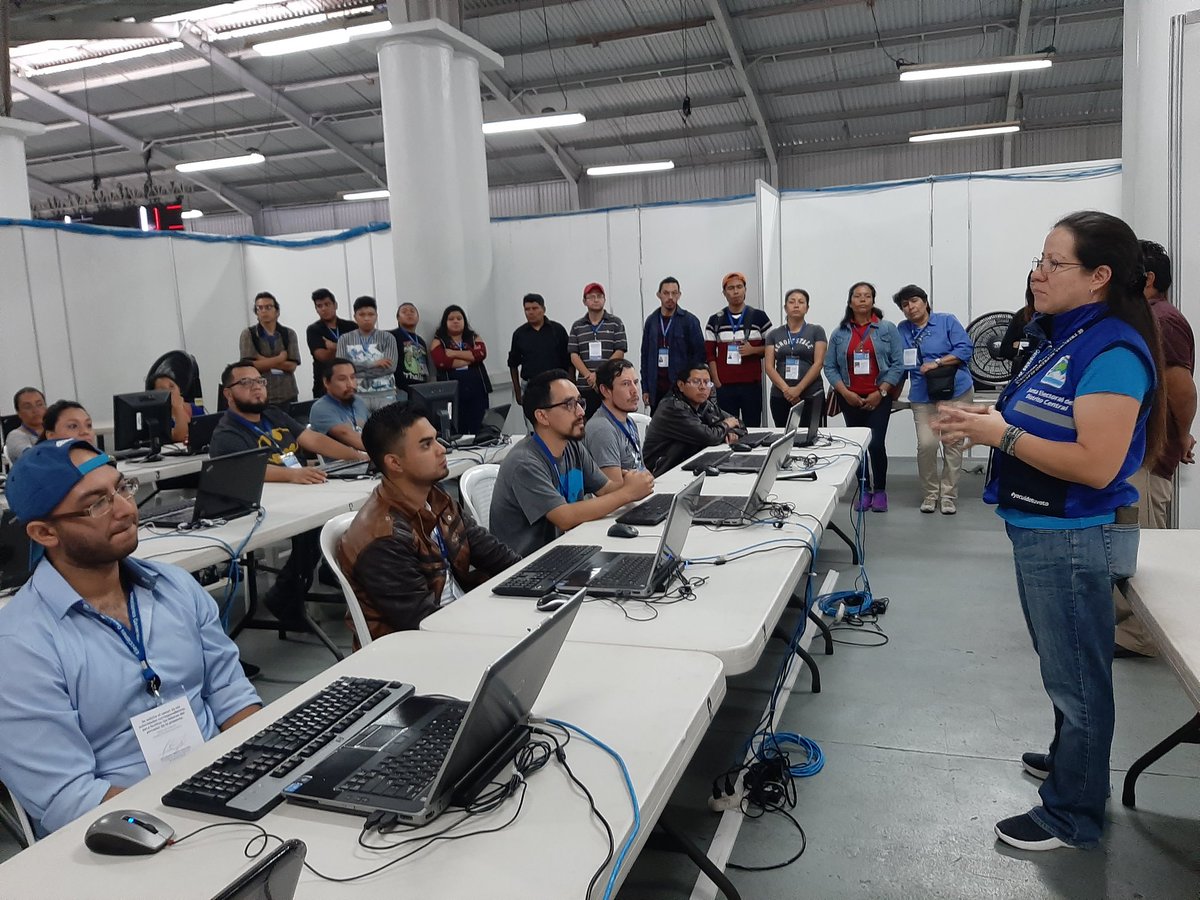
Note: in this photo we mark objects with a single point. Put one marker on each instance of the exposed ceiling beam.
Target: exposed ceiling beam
(1020, 41)
(50, 99)
(570, 169)
(603, 37)
(796, 6)
(277, 100)
(518, 6)
(733, 47)
(46, 189)
(71, 30)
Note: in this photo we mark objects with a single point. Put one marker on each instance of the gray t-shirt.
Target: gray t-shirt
(328, 413)
(527, 488)
(613, 444)
(19, 440)
(799, 348)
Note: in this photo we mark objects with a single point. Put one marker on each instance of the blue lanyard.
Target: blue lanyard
(562, 479)
(131, 639)
(734, 326)
(794, 339)
(333, 332)
(440, 541)
(365, 342)
(259, 430)
(665, 328)
(596, 328)
(408, 338)
(628, 429)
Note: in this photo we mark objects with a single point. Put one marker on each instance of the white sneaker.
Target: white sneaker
(929, 505)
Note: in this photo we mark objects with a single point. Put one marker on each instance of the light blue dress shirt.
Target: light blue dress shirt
(69, 685)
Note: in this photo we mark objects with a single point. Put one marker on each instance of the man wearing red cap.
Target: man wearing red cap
(734, 342)
(593, 339)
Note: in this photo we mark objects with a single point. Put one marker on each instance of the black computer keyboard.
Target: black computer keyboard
(348, 469)
(704, 460)
(540, 576)
(651, 512)
(721, 509)
(409, 772)
(246, 782)
(759, 439)
(630, 571)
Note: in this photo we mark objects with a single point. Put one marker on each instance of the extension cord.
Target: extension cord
(726, 802)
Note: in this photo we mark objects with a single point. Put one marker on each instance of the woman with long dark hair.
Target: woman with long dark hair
(458, 354)
(864, 365)
(1015, 345)
(794, 357)
(1069, 431)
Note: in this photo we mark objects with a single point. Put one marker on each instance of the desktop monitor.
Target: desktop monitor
(142, 420)
(439, 400)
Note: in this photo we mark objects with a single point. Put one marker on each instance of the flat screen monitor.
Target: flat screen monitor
(142, 420)
(439, 400)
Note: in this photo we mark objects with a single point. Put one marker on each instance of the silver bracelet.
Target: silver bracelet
(1008, 443)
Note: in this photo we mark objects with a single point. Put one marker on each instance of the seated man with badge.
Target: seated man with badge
(611, 437)
(112, 667)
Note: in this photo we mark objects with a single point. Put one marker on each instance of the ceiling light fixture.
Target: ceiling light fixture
(120, 56)
(223, 162)
(534, 123)
(378, 194)
(632, 168)
(927, 71)
(214, 12)
(950, 134)
(266, 27)
(331, 38)
(191, 214)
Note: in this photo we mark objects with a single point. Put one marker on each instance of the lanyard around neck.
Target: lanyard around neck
(627, 428)
(550, 458)
(131, 637)
(735, 324)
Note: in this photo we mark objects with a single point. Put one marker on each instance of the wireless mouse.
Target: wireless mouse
(622, 531)
(128, 832)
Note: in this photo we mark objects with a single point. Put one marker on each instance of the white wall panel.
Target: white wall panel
(104, 278)
(627, 294)
(770, 266)
(1185, 226)
(214, 304)
(950, 284)
(20, 364)
(44, 265)
(357, 255)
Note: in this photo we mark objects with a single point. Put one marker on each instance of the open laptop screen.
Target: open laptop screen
(766, 475)
(679, 521)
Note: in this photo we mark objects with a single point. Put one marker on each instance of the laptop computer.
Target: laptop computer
(14, 552)
(200, 432)
(734, 510)
(274, 876)
(430, 752)
(636, 576)
(491, 429)
(796, 416)
(750, 463)
(349, 470)
(229, 487)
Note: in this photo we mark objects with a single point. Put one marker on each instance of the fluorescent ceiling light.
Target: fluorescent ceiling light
(533, 123)
(950, 134)
(378, 194)
(331, 38)
(631, 168)
(108, 58)
(214, 12)
(191, 214)
(266, 27)
(927, 71)
(224, 162)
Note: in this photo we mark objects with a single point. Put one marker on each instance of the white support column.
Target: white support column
(14, 182)
(436, 169)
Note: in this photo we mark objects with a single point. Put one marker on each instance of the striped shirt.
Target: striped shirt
(610, 333)
(723, 329)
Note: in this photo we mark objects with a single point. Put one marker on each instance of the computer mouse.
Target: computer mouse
(712, 471)
(624, 531)
(128, 832)
(740, 448)
(551, 602)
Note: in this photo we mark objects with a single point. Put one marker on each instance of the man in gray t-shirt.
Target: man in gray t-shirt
(611, 437)
(543, 485)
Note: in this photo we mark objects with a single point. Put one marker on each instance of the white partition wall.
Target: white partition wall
(213, 307)
(770, 251)
(1186, 225)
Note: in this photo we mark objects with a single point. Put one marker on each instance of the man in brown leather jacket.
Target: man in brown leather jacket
(411, 549)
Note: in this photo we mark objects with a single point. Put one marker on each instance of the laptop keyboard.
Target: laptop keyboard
(712, 458)
(407, 774)
(172, 511)
(721, 509)
(759, 439)
(651, 512)
(625, 572)
(246, 782)
(540, 576)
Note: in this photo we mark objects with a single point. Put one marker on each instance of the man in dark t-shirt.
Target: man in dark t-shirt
(250, 423)
(322, 336)
(537, 346)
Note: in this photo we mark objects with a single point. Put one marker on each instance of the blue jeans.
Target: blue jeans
(1065, 581)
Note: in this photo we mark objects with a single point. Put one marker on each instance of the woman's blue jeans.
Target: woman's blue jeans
(1065, 580)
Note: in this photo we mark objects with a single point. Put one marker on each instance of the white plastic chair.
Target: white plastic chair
(331, 533)
(475, 487)
(21, 819)
(642, 421)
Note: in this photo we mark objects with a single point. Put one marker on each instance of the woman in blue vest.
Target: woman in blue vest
(1069, 430)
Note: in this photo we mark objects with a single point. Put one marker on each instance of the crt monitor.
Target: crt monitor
(142, 420)
(439, 399)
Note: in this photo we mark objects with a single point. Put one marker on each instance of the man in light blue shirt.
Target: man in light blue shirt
(341, 413)
(95, 638)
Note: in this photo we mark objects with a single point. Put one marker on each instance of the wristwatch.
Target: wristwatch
(883, 390)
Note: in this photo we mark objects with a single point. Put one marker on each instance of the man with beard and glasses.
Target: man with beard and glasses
(611, 438)
(249, 423)
(96, 639)
(543, 484)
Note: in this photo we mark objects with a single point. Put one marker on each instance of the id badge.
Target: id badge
(277, 371)
(733, 355)
(664, 357)
(910, 357)
(594, 349)
(862, 362)
(289, 459)
(791, 369)
(167, 732)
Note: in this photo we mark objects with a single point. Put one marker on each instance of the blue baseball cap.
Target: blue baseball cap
(44, 474)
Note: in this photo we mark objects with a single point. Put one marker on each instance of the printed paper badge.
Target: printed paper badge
(1057, 376)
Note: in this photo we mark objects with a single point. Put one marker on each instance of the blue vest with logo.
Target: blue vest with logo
(1041, 399)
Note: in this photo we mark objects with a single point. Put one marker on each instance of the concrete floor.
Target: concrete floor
(921, 738)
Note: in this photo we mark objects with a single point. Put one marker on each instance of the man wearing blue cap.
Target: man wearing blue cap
(96, 639)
